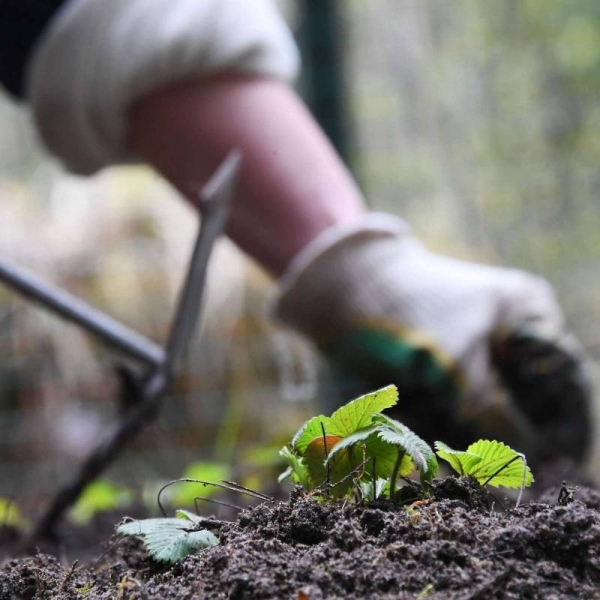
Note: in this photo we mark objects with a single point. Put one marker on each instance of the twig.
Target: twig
(240, 488)
(213, 501)
(68, 576)
(345, 478)
(225, 485)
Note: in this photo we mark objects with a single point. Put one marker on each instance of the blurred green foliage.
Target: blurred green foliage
(11, 516)
(479, 122)
(99, 496)
(205, 470)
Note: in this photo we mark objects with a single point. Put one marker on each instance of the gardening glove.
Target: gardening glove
(474, 350)
(97, 57)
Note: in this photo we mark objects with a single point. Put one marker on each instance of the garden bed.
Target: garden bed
(463, 543)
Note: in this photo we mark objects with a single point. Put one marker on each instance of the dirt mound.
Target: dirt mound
(463, 544)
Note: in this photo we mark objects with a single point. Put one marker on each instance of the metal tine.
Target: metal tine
(214, 202)
(63, 303)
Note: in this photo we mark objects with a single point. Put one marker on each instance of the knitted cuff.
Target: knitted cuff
(321, 287)
(99, 56)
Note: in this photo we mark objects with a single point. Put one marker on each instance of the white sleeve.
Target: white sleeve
(98, 56)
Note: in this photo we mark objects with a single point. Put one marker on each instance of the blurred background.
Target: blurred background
(478, 122)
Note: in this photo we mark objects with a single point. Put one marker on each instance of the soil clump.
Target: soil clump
(461, 544)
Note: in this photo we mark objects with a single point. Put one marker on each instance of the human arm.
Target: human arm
(351, 280)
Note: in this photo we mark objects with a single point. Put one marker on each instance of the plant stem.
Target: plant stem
(395, 471)
(327, 466)
(373, 476)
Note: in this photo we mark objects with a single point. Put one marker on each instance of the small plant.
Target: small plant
(489, 462)
(170, 539)
(357, 450)
(360, 452)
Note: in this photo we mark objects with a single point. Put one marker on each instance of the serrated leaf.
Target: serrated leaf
(351, 440)
(285, 475)
(486, 458)
(312, 429)
(169, 539)
(146, 526)
(417, 448)
(171, 546)
(501, 463)
(359, 413)
(462, 462)
(385, 455)
(188, 515)
(296, 468)
(385, 420)
(340, 467)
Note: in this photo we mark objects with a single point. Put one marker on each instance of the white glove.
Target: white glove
(98, 56)
(372, 292)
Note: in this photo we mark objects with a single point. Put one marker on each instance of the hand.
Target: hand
(475, 350)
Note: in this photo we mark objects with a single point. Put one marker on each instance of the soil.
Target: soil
(462, 544)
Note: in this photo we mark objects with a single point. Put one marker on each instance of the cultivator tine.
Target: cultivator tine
(112, 332)
(215, 200)
(214, 203)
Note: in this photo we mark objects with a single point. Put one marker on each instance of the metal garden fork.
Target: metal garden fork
(160, 363)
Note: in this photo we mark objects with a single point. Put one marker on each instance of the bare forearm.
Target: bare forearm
(292, 184)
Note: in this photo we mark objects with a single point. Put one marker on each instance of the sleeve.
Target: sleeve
(100, 56)
(21, 24)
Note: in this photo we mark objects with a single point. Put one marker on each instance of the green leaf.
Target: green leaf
(351, 440)
(339, 468)
(496, 456)
(181, 513)
(385, 454)
(462, 462)
(143, 527)
(489, 462)
(169, 540)
(359, 413)
(296, 468)
(171, 545)
(308, 432)
(382, 487)
(416, 447)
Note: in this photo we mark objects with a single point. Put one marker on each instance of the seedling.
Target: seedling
(490, 463)
(357, 448)
(169, 540)
(360, 452)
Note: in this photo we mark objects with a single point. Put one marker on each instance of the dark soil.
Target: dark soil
(462, 544)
